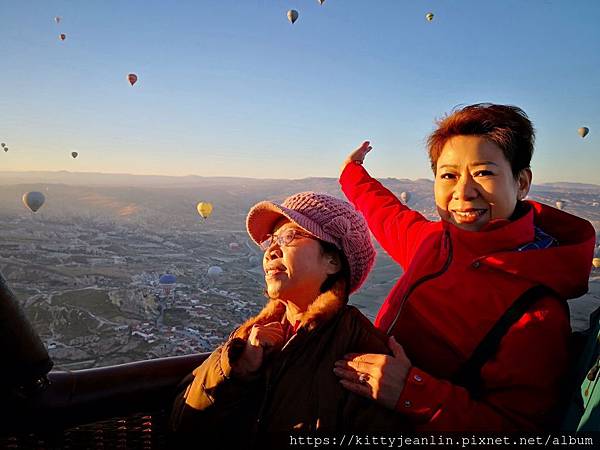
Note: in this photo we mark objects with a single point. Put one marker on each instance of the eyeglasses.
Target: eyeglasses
(284, 238)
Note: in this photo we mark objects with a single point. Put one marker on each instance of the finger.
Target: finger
(346, 374)
(364, 145)
(359, 366)
(351, 375)
(367, 358)
(273, 326)
(363, 390)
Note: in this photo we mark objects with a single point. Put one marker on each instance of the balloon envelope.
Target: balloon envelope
(132, 78)
(429, 16)
(34, 200)
(62, 36)
(596, 263)
(3, 144)
(292, 15)
(405, 197)
(321, 2)
(214, 272)
(57, 19)
(5, 149)
(560, 204)
(74, 154)
(167, 278)
(204, 209)
(583, 131)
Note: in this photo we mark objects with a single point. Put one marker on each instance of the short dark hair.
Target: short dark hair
(506, 126)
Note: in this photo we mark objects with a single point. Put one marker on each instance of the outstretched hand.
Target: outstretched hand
(380, 377)
(357, 155)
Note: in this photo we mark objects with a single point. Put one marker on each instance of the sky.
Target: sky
(232, 88)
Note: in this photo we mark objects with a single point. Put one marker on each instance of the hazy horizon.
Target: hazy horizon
(225, 177)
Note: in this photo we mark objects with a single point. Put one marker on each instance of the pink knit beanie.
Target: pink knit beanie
(325, 217)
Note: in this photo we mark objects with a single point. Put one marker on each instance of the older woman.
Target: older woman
(275, 373)
(481, 307)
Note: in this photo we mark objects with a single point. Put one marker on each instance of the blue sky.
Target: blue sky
(232, 88)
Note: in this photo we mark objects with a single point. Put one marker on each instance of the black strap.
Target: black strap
(469, 375)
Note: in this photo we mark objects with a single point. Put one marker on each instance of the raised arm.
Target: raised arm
(396, 227)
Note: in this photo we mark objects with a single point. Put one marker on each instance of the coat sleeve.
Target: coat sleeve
(211, 398)
(396, 227)
(522, 384)
(360, 413)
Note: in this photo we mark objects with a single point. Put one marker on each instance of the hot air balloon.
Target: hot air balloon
(34, 200)
(3, 145)
(167, 281)
(214, 272)
(5, 149)
(560, 204)
(405, 197)
(57, 19)
(321, 2)
(74, 154)
(583, 131)
(596, 263)
(132, 78)
(429, 16)
(292, 15)
(62, 36)
(204, 209)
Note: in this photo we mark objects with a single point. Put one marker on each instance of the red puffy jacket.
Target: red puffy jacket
(456, 285)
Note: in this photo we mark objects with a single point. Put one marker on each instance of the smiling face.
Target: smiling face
(295, 272)
(474, 183)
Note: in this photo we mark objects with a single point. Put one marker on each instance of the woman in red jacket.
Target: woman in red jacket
(462, 274)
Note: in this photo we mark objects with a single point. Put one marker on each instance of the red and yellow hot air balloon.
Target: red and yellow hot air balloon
(132, 78)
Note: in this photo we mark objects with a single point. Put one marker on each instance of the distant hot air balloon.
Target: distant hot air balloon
(5, 149)
(204, 209)
(167, 281)
(132, 78)
(3, 145)
(596, 263)
(34, 200)
(214, 272)
(583, 131)
(74, 154)
(57, 19)
(405, 197)
(429, 16)
(560, 204)
(321, 2)
(292, 15)
(62, 36)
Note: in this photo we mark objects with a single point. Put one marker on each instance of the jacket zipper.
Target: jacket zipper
(448, 243)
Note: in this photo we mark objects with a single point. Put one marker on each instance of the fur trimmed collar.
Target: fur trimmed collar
(320, 311)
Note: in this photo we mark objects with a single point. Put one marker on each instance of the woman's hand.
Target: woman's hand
(357, 155)
(263, 340)
(380, 377)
